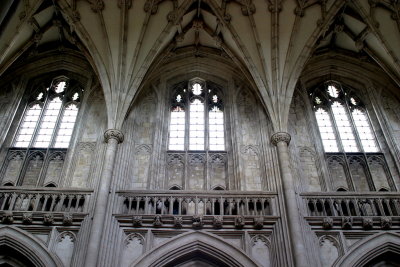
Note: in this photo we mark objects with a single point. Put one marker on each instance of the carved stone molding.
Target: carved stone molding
(157, 221)
(280, 137)
(137, 221)
(347, 222)
(8, 217)
(258, 223)
(239, 222)
(126, 3)
(27, 218)
(178, 221)
(48, 219)
(113, 134)
(67, 219)
(218, 222)
(386, 223)
(327, 223)
(197, 221)
(368, 223)
(96, 5)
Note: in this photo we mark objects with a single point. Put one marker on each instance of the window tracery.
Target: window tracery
(346, 133)
(197, 118)
(45, 130)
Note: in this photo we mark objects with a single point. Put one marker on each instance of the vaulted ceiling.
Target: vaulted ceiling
(271, 40)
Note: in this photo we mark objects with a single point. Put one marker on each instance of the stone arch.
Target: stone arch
(200, 244)
(371, 248)
(28, 246)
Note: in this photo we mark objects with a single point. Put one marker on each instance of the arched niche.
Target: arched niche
(192, 247)
(30, 251)
(371, 249)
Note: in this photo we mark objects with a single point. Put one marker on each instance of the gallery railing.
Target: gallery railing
(352, 204)
(196, 203)
(44, 200)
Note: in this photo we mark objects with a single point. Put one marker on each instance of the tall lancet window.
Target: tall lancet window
(38, 150)
(342, 120)
(352, 151)
(50, 117)
(197, 118)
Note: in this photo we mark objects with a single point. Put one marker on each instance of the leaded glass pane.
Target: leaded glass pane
(216, 128)
(66, 126)
(177, 129)
(28, 126)
(326, 130)
(196, 125)
(48, 123)
(364, 131)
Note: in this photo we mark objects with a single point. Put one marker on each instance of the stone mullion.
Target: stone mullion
(113, 138)
(281, 141)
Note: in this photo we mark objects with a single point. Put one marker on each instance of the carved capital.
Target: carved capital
(280, 137)
(113, 134)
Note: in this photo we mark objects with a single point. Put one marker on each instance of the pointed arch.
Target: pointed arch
(371, 248)
(27, 245)
(195, 243)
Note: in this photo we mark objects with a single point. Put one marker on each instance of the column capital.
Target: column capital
(113, 134)
(280, 137)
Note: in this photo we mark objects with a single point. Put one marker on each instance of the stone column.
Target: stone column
(112, 137)
(281, 141)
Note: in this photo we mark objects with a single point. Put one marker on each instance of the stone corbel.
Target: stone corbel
(113, 134)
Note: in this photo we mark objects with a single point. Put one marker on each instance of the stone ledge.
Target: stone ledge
(198, 222)
(41, 218)
(349, 223)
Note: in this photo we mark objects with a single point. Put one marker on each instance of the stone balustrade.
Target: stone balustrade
(44, 200)
(352, 204)
(196, 203)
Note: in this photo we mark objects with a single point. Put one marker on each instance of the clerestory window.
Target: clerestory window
(352, 151)
(197, 118)
(37, 152)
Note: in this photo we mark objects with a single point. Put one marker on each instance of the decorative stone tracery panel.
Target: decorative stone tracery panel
(141, 166)
(358, 173)
(83, 164)
(329, 250)
(175, 170)
(33, 169)
(308, 164)
(65, 247)
(379, 173)
(13, 166)
(260, 250)
(337, 172)
(217, 171)
(251, 169)
(196, 171)
(54, 168)
(133, 248)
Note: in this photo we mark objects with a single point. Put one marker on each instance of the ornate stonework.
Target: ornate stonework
(113, 134)
(280, 137)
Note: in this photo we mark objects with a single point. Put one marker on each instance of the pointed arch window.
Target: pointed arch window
(197, 118)
(342, 120)
(353, 155)
(50, 117)
(38, 150)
